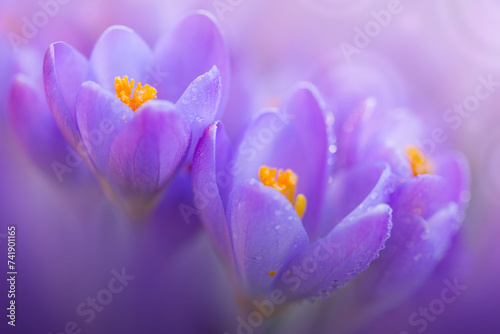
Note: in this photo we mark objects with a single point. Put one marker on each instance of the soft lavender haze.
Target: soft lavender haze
(165, 217)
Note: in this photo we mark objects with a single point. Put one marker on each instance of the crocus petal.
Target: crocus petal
(194, 47)
(100, 117)
(372, 134)
(119, 52)
(210, 180)
(354, 191)
(349, 133)
(454, 169)
(421, 195)
(295, 139)
(33, 124)
(267, 233)
(149, 149)
(200, 102)
(64, 70)
(424, 224)
(332, 261)
(415, 248)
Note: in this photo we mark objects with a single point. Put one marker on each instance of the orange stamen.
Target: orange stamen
(285, 183)
(141, 94)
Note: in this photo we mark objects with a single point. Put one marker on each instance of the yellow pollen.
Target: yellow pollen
(272, 273)
(285, 183)
(420, 164)
(141, 93)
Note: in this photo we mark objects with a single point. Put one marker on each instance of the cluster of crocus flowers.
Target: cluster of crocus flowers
(372, 198)
(302, 204)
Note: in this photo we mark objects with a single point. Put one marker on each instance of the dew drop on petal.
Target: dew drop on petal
(206, 107)
(330, 119)
(324, 294)
(465, 196)
(257, 258)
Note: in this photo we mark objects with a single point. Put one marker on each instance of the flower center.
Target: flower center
(285, 183)
(420, 164)
(141, 93)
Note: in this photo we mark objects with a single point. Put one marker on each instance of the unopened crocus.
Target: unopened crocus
(133, 113)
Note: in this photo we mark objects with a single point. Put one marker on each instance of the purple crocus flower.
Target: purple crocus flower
(31, 123)
(428, 205)
(429, 201)
(272, 232)
(131, 135)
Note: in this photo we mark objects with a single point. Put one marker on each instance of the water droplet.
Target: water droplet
(324, 294)
(374, 196)
(184, 101)
(206, 107)
(330, 119)
(332, 148)
(193, 98)
(257, 258)
(465, 196)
